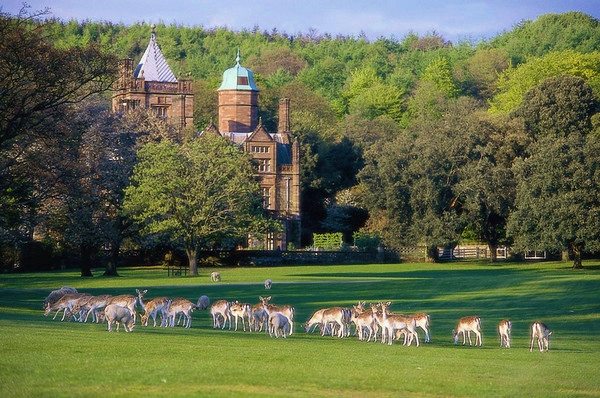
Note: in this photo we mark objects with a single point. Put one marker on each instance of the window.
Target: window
(259, 149)
(160, 111)
(242, 80)
(264, 164)
(162, 100)
(266, 195)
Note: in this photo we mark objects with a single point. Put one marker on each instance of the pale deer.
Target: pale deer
(423, 321)
(215, 277)
(391, 322)
(240, 310)
(220, 309)
(286, 310)
(180, 306)
(504, 329)
(279, 323)
(56, 295)
(259, 318)
(466, 325)
(65, 303)
(120, 315)
(154, 307)
(540, 332)
(268, 284)
(203, 302)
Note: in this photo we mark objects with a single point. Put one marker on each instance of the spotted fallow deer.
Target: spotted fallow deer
(465, 326)
(179, 306)
(128, 301)
(540, 332)
(65, 303)
(364, 321)
(154, 307)
(391, 322)
(286, 310)
(240, 310)
(504, 329)
(220, 309)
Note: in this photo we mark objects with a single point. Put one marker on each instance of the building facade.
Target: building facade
(152, 85)
(277, 154)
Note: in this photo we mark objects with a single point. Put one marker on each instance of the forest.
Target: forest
(416, 141)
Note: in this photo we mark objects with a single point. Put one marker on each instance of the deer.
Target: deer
(504, 329)
(259, 318)
(364, 319)
(240, 310)
(180, 306)
(540, 332)
(315, 320)
(128, 301)
(279, 322)
(286, 310)
(91, 305)
(65, 303)
(466, 325)
(120, 315)
(393, 322)
(423, 321)
(152, 308)
(268, 284)
(203, 302)
(56, 295)
(220, 308)
(337, 317)
(215, 277)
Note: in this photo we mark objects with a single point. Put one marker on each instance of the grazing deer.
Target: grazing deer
(120, 315)
(152, 308)
(504, 329)
(279, 322)
(465, 326)
(286, 310)
(391, 322)
(268, 284)
(56, 295)
(220, 308)
(215, 277)
(65, 303)
(540, 332)
(240, 310)
(203, 302)
(179, 306)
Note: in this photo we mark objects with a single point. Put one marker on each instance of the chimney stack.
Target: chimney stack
(284, 116)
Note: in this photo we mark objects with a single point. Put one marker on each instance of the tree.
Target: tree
(557, 205)
(198, 193)
(513, 83)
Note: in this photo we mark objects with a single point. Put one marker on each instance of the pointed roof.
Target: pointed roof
(153, 65)
(259, 134)
(238, 78)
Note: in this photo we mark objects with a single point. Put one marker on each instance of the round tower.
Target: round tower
(238, 100)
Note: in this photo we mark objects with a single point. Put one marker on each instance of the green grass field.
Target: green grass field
(42, 357)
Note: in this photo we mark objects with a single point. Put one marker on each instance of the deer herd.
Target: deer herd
(373, 323)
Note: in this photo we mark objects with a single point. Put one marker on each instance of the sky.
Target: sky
(455, 20)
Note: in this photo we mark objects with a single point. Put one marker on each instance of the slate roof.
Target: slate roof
(153, 65)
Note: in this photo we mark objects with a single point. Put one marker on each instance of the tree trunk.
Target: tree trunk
(576, 249)
(111, 265)
(86, 260)
(566, 255)
(493, 252)
(193, 261)
(432, 254)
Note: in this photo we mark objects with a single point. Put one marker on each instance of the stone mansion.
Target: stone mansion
(152, 85)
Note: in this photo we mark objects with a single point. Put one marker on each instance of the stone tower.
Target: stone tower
(277, 155)
(152, 85)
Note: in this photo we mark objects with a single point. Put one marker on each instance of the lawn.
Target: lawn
(44, 357)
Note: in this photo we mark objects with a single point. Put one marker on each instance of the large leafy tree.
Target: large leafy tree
(198, 193)
(557, 206)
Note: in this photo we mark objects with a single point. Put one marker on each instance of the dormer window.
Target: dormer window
(242, 80)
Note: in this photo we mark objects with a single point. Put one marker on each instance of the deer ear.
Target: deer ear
(268, 298)
(137, 290)
(145, 291)
(388, 303)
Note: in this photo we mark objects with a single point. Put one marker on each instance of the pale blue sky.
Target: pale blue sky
(454, 19)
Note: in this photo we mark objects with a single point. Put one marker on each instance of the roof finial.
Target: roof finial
(237, 58)
(153, 34)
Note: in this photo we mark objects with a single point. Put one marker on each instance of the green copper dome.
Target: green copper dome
(238, 78)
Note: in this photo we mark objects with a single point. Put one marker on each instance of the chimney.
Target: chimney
(284, 116)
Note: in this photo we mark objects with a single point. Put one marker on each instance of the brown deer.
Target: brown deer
(465, 326)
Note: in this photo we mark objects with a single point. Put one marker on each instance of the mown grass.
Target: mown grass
(42, 357)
